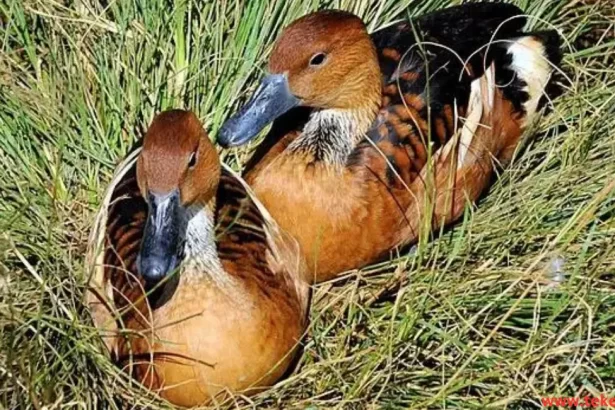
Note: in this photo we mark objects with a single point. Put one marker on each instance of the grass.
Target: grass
(516, 302)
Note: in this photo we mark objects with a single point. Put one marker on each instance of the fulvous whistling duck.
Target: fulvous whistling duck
(198, 292)
(375, 134)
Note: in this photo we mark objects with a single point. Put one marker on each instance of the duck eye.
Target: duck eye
(192, 160)
(317, 59)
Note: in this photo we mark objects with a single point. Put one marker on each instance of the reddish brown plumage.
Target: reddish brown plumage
(200, 334)
(171, 140)
(346, 61)
(348, 215)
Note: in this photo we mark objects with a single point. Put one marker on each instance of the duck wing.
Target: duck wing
(126, 218)
(115, 291)
(428, 65)
(254, 249)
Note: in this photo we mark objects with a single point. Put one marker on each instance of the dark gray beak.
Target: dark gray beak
(272, 99)
(160, 246)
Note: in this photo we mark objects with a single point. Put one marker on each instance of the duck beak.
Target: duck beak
(159, 251)
(272, 99)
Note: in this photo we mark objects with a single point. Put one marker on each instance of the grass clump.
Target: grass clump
(516, 302)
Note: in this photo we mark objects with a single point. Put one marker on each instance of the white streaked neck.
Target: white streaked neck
(201, 259)
(331, 135)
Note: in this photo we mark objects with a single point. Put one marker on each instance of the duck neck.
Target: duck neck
(201, 259)
(330, 135)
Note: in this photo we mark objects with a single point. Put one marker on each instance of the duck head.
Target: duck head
(177, 169)
(325, 60)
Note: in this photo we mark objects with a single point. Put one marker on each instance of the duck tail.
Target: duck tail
(526, 71)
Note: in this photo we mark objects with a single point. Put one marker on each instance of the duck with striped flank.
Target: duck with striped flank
(197, 290)
(376, 136)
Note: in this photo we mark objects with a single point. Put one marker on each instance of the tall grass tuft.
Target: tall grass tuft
(516, 302)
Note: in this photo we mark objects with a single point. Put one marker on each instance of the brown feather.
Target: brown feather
(411, 170)
(194, 338)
